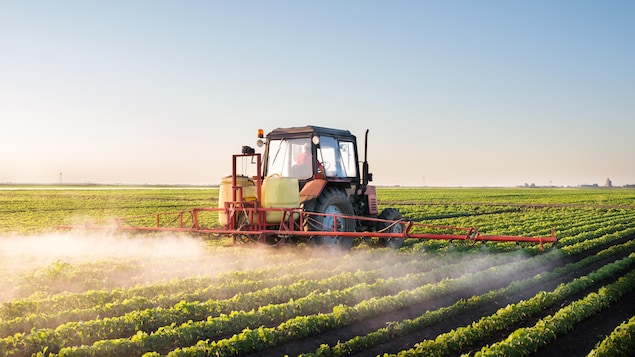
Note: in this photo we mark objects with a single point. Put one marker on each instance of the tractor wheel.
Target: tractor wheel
(391, 214)
(334, 202)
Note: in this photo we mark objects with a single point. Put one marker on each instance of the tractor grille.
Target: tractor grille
(371, 193)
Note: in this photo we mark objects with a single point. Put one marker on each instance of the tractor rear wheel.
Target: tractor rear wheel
(334, 203)
(391, 214)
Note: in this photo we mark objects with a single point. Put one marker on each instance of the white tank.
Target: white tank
(225, 193)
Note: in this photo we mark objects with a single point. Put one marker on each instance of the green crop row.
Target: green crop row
(620, 343)
(525, 341)
(506, 317)
(303, 325)
(360, 343)
(87, 332)
(24, 314)
(314, 300)
(90, 298)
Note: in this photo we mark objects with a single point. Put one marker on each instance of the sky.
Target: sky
(453, 93)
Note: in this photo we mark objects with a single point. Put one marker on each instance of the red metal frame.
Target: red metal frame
(253, 218)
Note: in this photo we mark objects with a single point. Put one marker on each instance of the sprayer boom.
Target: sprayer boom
(308, 187)
(291, 226)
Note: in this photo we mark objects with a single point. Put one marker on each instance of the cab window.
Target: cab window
(337, 158)
(290, 158)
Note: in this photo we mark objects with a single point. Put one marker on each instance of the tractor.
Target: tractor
(310, 188)
(326, 164)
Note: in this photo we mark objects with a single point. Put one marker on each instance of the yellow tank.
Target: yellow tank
(225, 193)
(280, 192)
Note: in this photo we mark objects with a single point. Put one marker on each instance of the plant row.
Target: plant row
(305, 291)
(528, 340)
(121, 301)
(303, 324)
(621, 342)
(463, 337)
(359, 344)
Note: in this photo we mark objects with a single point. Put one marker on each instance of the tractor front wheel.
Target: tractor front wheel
(334, 204)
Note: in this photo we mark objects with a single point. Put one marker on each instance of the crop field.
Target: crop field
(78, 293)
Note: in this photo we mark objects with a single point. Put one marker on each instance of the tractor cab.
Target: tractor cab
(310, 152)
(326, 165)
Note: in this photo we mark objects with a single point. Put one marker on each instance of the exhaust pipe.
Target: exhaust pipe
(366, 176)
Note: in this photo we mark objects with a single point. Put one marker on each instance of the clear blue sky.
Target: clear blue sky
(455, 93)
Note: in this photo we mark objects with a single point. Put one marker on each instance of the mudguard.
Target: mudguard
(312, 189)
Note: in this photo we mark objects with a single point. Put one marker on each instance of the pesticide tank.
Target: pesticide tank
(225, 193)
(279, 192)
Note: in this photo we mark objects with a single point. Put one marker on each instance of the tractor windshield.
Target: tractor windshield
(290, 158)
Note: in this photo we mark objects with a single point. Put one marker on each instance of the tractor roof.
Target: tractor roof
(307, 131)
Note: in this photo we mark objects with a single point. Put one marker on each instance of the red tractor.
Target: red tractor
(331, 182)
(309, 188)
